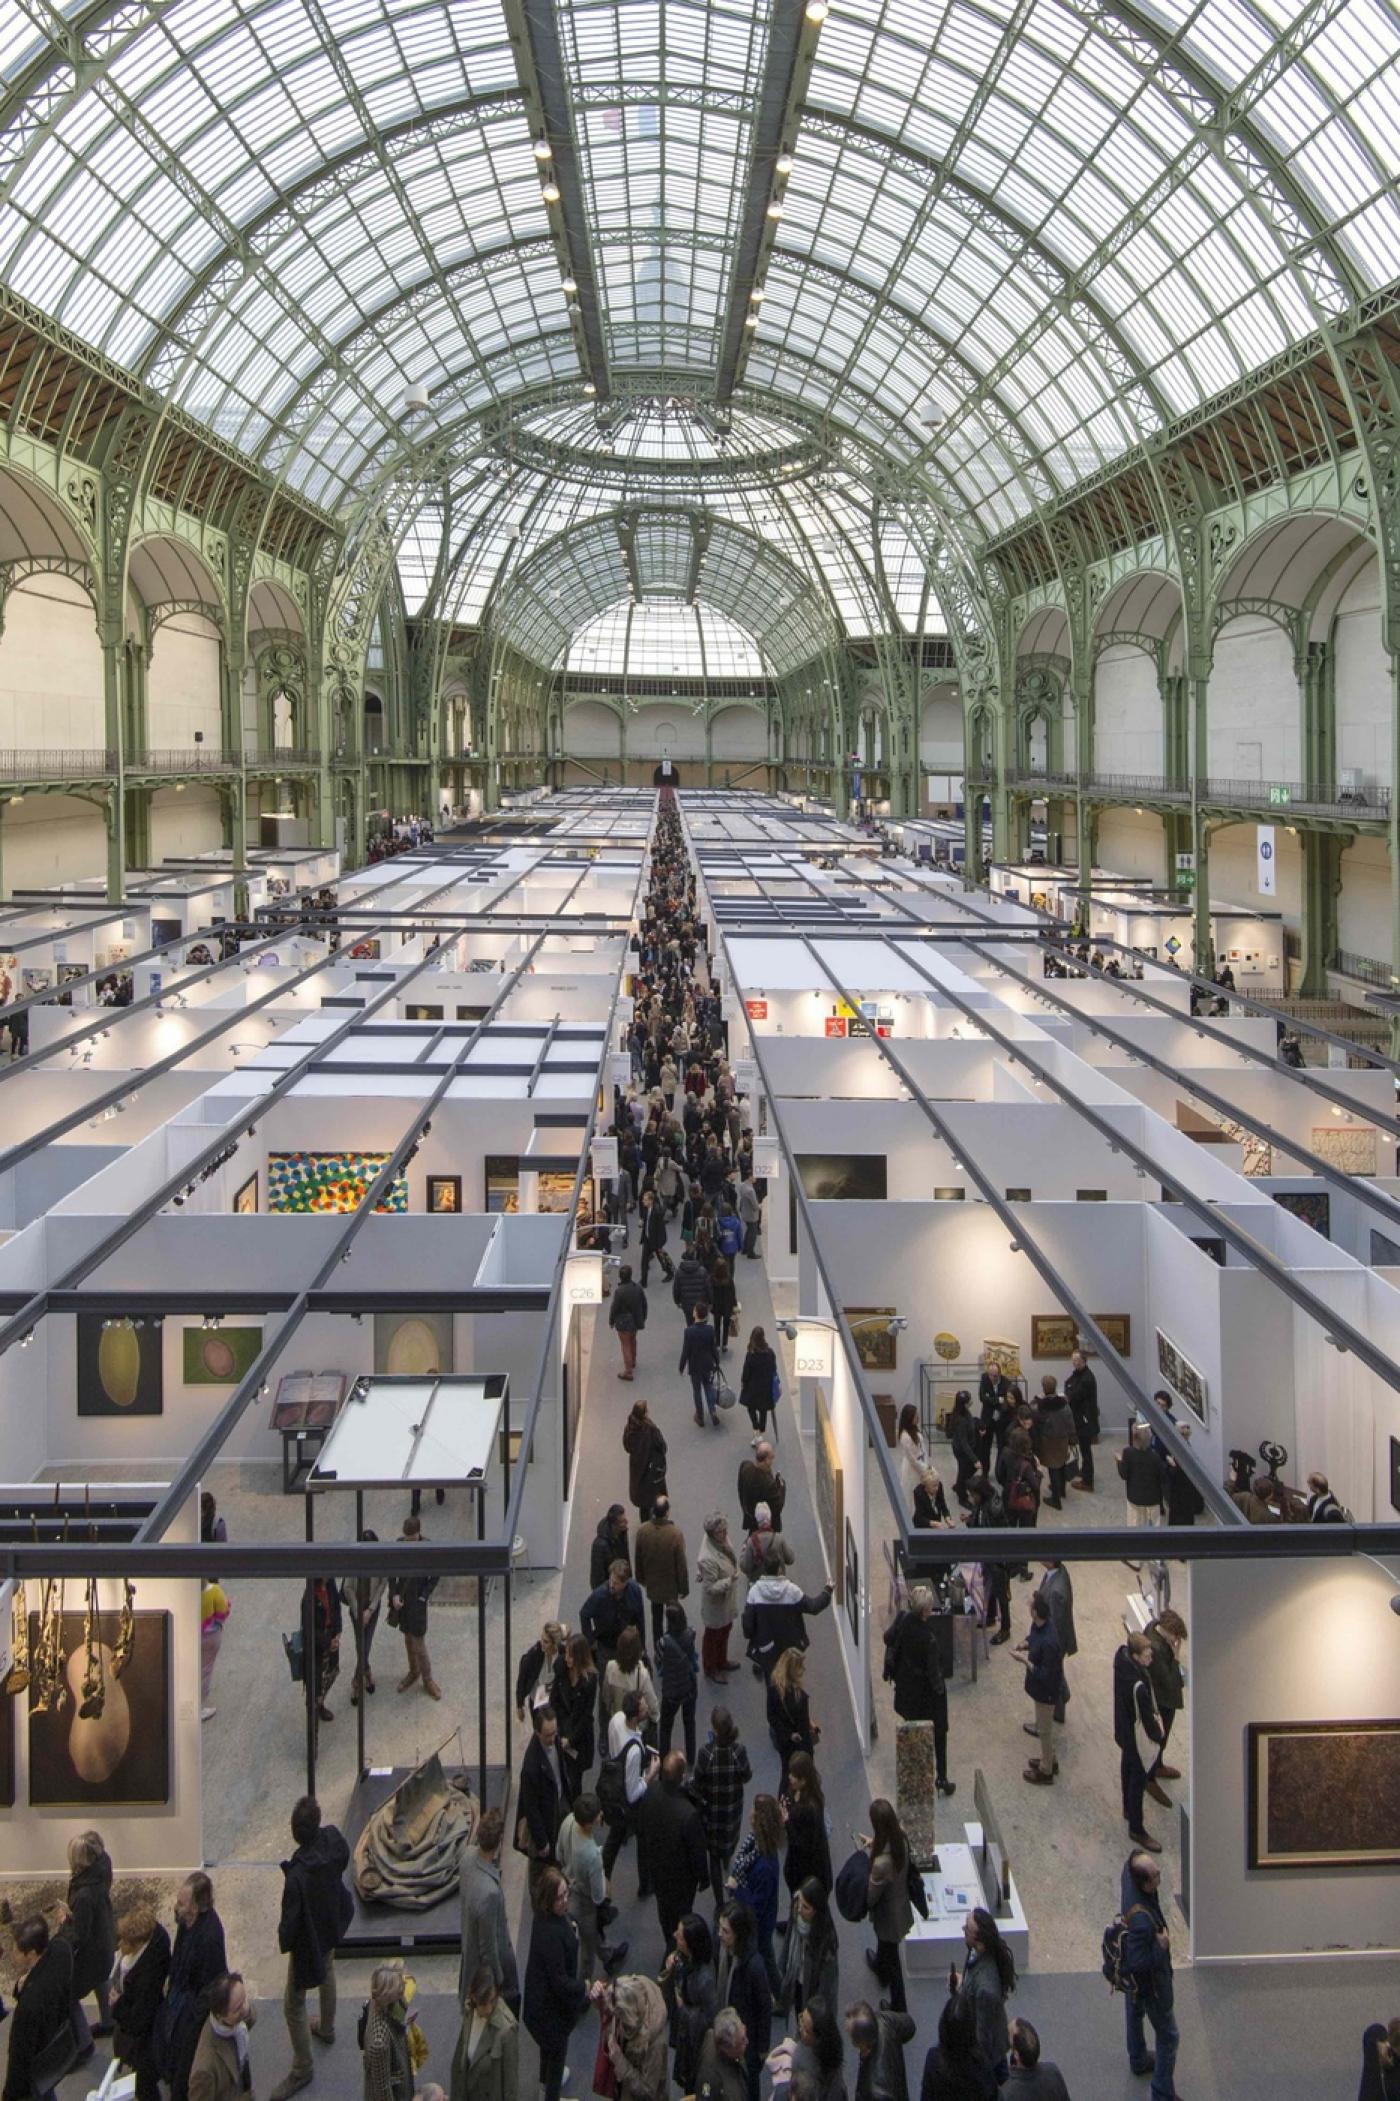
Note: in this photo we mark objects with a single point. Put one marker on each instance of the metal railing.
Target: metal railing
(203, 758)
(1366, 801)
(38, 765)
(1367, 970)
(70, 764)
(293, 758)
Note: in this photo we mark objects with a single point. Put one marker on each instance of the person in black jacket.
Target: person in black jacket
(197, 1959)
(555, 1994)
(546, 1792)
(913, 1663)
(538, 1662)
(994, 1395)
(743, 1984)
(408, 1611)
(609, 1544)
(86, 1923)
(671, 1831)
(43, 2008)
(326, 1621)
(774, 1614)
(144, 1953)
(1380, 2062)
(627, 1316)
(1137, 1730)
(757, 1380)
(316, 1911)
(700, 1357)
(645, 1445)
(654, 1236)
(1082, 1393)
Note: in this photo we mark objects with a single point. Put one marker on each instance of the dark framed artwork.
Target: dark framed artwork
(845, 1178)
(219, 1356)
(8, 1707)
(422, 1010)
(245, 1200)
(445, 1195)
(1395, 1474)
(412, 1345)
(1324, 1794)
(876, 1348)
(121, 1755)
(1091, 1196)
(502, 1182)
(1055, 1336)
(831, 1494)
(950, 1196)
(120, 1370)
(852, 1571)
(1313, 1206)
(1018, 1196)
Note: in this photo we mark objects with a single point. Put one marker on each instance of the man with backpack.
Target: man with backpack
(1137, 1961)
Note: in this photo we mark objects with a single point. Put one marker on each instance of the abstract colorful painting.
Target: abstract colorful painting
(329, 1182)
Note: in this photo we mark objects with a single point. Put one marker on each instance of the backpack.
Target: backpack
(1115, 1943)
(612, 1784)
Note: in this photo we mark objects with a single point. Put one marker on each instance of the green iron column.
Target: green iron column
(1321, 887)
(114, 712)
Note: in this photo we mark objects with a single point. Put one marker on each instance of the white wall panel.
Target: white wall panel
(1254, 708)
(182, 686)
(1363, 681)
(1127, 713)
(50, 669)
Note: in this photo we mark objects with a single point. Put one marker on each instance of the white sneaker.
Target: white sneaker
(207, 1714)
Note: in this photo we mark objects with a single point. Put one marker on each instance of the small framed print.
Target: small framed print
(245, 1200)
(445, 1194)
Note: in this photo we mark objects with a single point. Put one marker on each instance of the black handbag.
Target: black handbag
(56, 2059)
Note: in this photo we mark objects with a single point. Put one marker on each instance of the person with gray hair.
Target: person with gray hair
(721, 2073)
(721, 1595)
(761, 1542)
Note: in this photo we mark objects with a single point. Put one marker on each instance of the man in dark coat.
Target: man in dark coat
(546, 1793)
(774, 1614)
(609, 1544)
(994, 1395)
(700, 1357)
(1082, 1393)
(316, 1912)
(627, 1316)
(914, 1665)
(653, 1236)
(878, 2040)
(1137, 1730)
(44, 1966)
(691, 1284)
(1147, 1959)
(1058, 1592)
(760, 1483)
(672, 1834)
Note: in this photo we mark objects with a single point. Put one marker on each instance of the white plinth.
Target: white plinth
(953, 1890)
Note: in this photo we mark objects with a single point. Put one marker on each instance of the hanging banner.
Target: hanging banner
(1266, 881)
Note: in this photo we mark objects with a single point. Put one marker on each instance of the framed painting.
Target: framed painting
(120, 1368)
(1324, 1794)
(831, 1495)
(322, 1182)
(1192, 1388)
(422, 1010)
(1118, 1331)
(445, 1195)
(1018, 1196)
(412, 1345)
(1349, 1146)
(950, 1196)
(245, 1200)
(876, 1348)
(121, 1753)
(219, 1356)
(1313, 1206)
(502, 1182)
(1091, 1196)
(1053, 1336)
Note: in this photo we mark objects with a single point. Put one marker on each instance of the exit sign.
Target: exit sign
(1279, 795)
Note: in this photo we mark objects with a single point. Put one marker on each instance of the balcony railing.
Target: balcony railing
(1307, 798)
(203, 758)
(1367, 970)
(63, 765)
(70, 764)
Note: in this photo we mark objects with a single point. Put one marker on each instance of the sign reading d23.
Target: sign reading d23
(812, 1353)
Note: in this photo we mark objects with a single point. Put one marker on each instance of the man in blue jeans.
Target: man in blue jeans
(700, 1357)
(1147, 1960)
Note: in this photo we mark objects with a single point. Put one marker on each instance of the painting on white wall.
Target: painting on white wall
(1349, 1146)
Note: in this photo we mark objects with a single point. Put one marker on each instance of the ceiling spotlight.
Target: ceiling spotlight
(550, 193)
(588, 387)
(757, 295)
(783, 164)
(775, 209)
(818, 10)
(570, 285)
(543, 150)
(751, 320)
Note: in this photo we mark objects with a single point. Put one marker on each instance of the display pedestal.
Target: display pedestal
(384, 1928)
(954, 1888)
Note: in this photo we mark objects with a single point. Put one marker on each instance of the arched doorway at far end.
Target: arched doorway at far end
(667, 774)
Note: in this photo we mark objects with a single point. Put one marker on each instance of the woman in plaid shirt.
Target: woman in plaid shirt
(722, 1772)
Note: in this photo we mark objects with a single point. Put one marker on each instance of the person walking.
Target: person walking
(408, 1611)
(722, 1772)
(914, 1666)
(1147, 1968)
(555, 1993)
(660, 1563)
(774, 1614)
(671, 1834)
(1166, 1634)
(316, 1912)
(214, 1609)
(197, 1958)
(759, 1482)
(1044, 1684)
(724, 1302)
(654, 1237)
(608, 1544)
(581, 1863)
(1137, 1731)
(628, 1768)
(679, 1669)
(486, 1940)
(962, 1436)
(645, 1445)
(688, 1985)
(1082, 1393)
(386, 2052)
(486, 2062)
(140, 1976)
(544, 1795)
(890, 1907)
(627, 1316)
(1144, 1475)
(605, 1613)
(1058, 1591)
(759, 1385)
(750, 1215)
(790, 1725)
(721, 1596)
(628, 1673)
(574, 1697)
(86, 1922)
(700, 1357)
(987, 1982)
(690, 1287)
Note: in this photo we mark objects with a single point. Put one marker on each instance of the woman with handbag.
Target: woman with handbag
(724, 1301)
(574, 1698)
(808, 1854)
(138, 1983)
(645, 1445)
(890, 1907)
(759, 1385)
(688, 1985)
